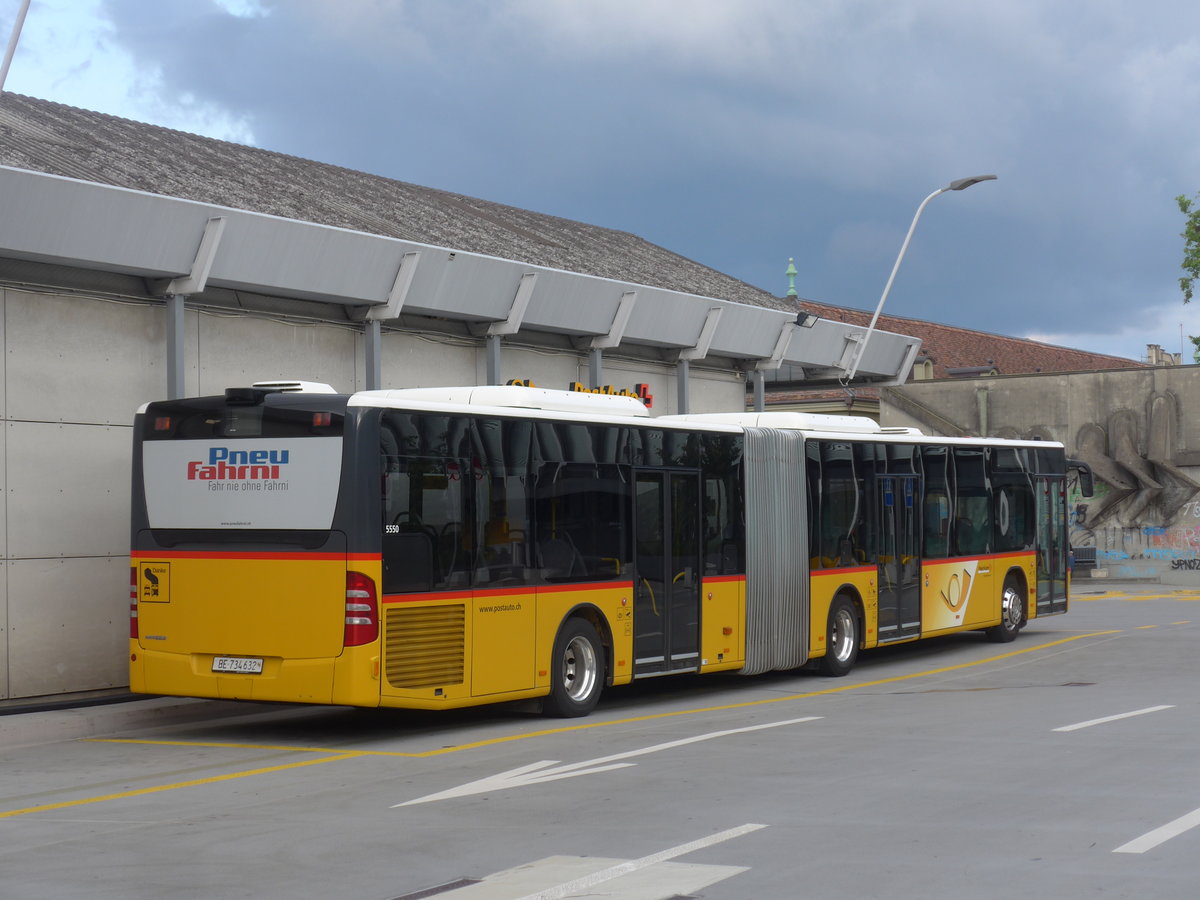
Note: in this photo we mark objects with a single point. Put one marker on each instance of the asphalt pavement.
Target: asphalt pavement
(66, 717)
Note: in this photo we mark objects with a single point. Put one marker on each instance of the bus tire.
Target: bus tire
(1012, 612)
(841, 638)
(576, 671)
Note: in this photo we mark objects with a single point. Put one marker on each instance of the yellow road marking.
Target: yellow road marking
(339, 754)
(1185, 596)
(227, 746)
(750, 703)
(67, 804)
(1142, 598)
(566, 729)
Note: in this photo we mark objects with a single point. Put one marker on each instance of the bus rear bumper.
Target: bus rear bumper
(191, 675)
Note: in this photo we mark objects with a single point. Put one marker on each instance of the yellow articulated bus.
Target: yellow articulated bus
(444, 547)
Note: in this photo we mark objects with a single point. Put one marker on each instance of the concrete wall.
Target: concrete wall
(1139, 429)
(75, 368)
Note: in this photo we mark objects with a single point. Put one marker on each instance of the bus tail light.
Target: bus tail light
(362, 610)
(133, 599)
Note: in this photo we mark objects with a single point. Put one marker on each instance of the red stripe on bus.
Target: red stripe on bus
(587, 586)
(521, 590)
(958, 559)
(847, 570)
(413, 598)
(925, 561)
(719, 579)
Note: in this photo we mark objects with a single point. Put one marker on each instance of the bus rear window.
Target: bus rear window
(200, 419)
(264, 466)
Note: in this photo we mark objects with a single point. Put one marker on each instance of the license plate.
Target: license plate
(243, 665)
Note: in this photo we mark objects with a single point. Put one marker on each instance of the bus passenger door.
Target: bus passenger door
(1052, 546)
(899, 560)
(666, 613)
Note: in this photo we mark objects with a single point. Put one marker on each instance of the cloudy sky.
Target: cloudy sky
(738, 133)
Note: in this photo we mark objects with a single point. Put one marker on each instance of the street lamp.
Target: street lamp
(12, 43)
(960, 185)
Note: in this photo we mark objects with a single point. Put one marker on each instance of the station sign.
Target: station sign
(638, 391)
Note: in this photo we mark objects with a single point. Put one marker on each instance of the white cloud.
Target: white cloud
(243, 9)
(389, 32)
(814, 127)
(68, 52)
(1169, 324)
(717, 35)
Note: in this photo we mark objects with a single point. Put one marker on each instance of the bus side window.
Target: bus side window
(407, 563)
(582, 531)
(428, 541)
(409, 555)
(937, 525)
(972, 513)
(504, 501)
(721, 544)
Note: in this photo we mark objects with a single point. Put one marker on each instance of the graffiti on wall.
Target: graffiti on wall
(1145, 513)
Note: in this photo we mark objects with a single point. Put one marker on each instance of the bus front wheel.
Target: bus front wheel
(577, 671)
(841, 638)
(1012, 613)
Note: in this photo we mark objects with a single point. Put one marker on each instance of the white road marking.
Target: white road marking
(1152, 839)
(659, 882)
(562, 891)
(538, 772)
(1128, 715)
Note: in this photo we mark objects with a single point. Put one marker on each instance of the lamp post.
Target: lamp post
(12, 43)
(959, 185)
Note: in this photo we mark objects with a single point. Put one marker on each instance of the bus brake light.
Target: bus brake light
(133, 599)
(362, 610)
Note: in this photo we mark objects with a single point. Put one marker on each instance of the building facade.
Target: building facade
(76, 366)
(138, 263)
(1136, 428)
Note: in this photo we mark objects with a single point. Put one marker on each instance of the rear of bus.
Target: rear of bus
(244, 583)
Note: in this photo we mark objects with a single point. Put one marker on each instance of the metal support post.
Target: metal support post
(374, 354)
(493, 359)
(175, 335)
(596, 366)
(682, 370)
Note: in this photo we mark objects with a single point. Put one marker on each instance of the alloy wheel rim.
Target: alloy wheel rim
(1012, 608)
(843, 627)
(579, 668)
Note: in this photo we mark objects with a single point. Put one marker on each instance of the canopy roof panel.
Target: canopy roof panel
(65, 221)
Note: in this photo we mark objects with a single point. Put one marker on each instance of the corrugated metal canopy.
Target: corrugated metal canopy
(83, 224)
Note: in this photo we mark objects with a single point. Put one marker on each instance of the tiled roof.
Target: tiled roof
(62, 140)
(954, 352)
(953, 348)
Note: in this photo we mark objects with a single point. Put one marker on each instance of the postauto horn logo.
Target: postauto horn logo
(225, 464)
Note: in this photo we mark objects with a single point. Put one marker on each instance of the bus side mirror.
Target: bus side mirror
(1087, 484)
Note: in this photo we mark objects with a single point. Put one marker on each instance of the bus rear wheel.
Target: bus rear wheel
(841, 638)
(576, 670)
(1012, 613)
